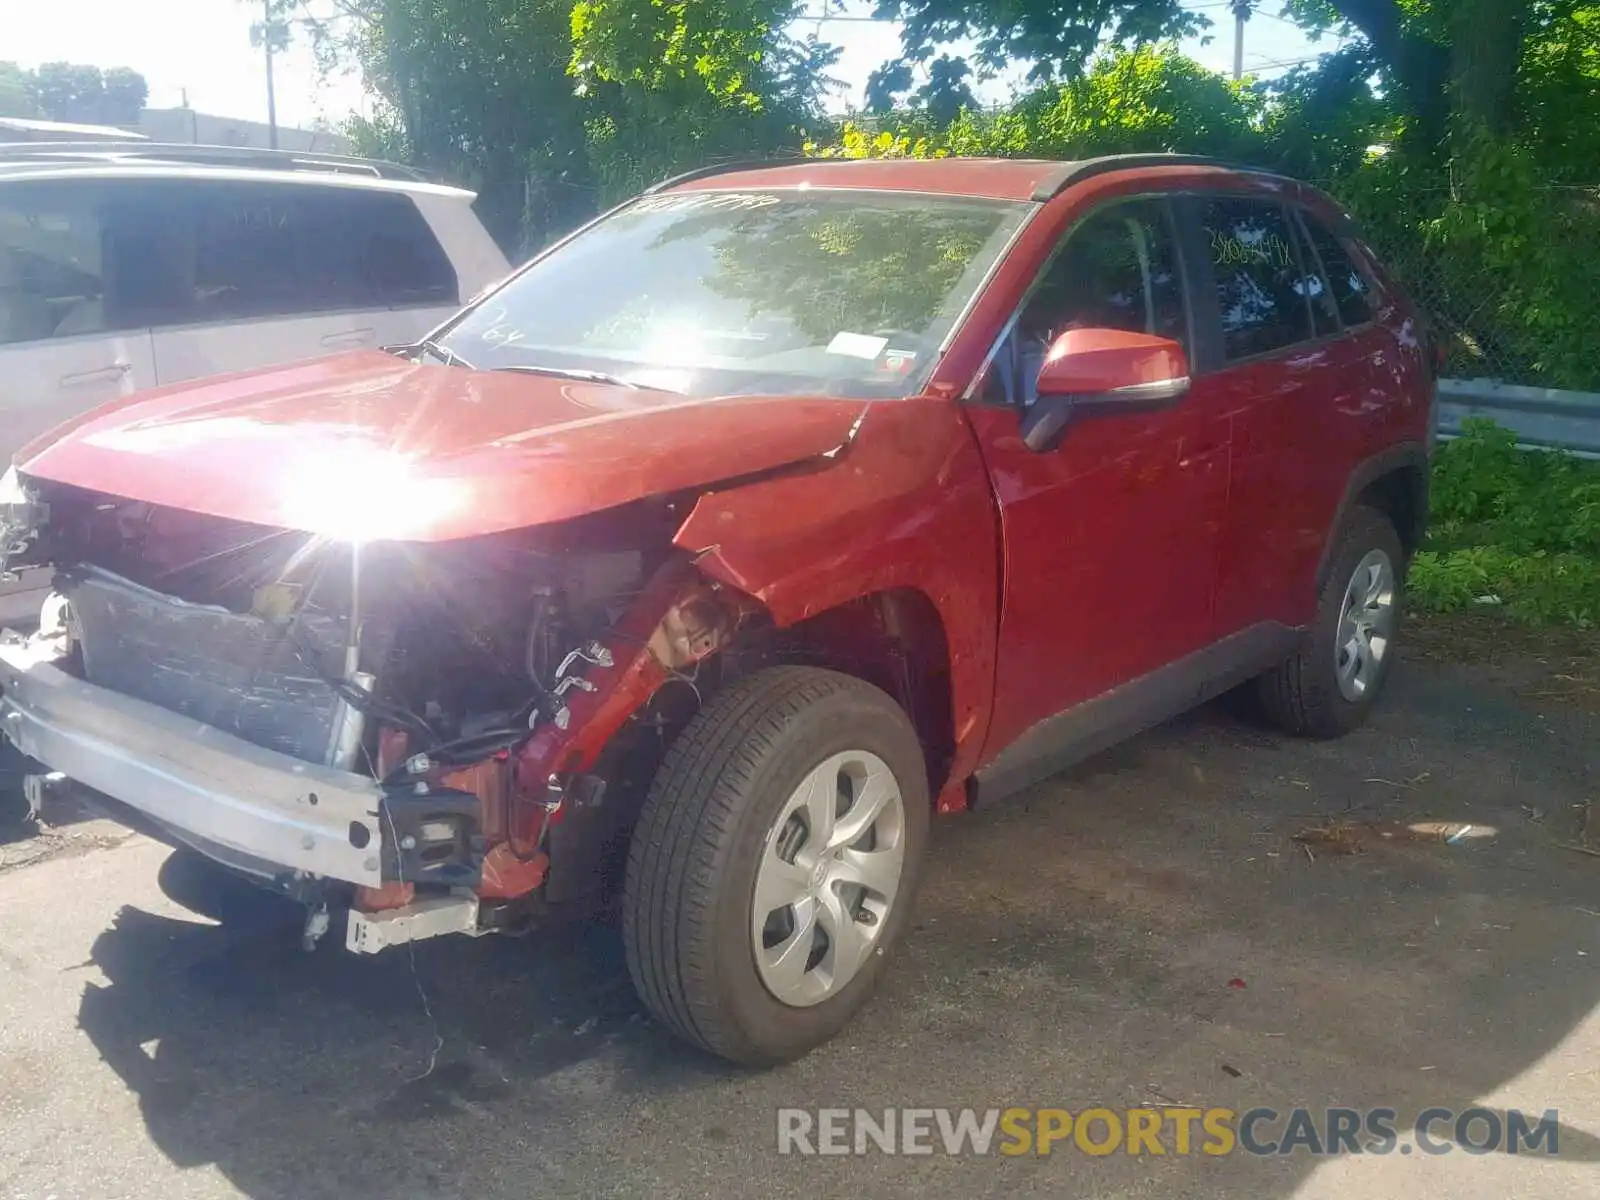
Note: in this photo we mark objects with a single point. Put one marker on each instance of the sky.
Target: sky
(199, 51)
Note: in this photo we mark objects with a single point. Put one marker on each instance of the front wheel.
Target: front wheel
(774, 863)
(1333, 680)
(14, 808)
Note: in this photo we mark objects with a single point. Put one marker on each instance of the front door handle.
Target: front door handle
(117, 370)
(351, 337)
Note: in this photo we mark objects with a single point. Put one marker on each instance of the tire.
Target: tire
(1304, 695)
(14, 808)
(710, 830)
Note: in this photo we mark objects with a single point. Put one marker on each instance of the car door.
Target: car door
(1283, 370)
(64, 349)
(64, 346)
(285, 271)
(1110, 538)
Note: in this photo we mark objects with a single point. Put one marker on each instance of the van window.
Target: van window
(183, 252)
(1262, 292)
(264, 250)
(51, 274)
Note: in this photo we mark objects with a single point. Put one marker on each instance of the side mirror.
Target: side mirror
(1098, 372)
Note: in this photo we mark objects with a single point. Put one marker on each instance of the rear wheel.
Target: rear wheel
(1331, 683)
(774, 863)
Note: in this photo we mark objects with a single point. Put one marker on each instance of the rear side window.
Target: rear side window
(51, 273)
(1262, 292)
(264, 250)
(1351, 290)
(202, 251)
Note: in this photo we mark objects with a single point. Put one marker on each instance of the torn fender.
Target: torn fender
(676, 621)
(907, 504)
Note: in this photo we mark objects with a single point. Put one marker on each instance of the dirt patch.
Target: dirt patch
(1550, 665)
(46, 844)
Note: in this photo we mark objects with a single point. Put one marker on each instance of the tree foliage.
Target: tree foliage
(1431, 52)
(553, 108)
(17, 97)
(62, 91)
(1148, 99)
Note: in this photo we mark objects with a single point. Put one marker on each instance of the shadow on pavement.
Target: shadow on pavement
(1076, 947)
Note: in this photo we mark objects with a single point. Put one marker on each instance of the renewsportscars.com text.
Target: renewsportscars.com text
(1175, 1131)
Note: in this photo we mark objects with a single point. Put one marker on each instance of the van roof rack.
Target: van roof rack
(159, 153)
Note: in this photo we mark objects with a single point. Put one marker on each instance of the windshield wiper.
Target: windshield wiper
(584, 376)
(428, 346)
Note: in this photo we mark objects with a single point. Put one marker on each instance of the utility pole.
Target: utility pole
(270, 35)
(1241, 14)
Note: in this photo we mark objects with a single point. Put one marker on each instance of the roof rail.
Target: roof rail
(1076, 172)
(210, 156)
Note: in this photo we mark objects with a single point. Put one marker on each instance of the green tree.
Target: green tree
(73, 92)
(124, 93)
(1433, 52)
(677, 83)
(1318, 122)
(1147, 99)
(16, 92)
(552, 108)
(69, 92)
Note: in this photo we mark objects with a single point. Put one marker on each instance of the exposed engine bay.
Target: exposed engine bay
(263, 632)
(476, 681)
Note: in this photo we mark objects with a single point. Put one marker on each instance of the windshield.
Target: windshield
(807, 292)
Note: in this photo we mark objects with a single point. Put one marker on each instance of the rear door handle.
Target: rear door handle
(116, 370)
(350, 337)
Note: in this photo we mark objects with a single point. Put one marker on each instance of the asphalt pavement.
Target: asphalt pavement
(1144, 931)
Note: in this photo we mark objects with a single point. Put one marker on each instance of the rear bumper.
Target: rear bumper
(206, 786)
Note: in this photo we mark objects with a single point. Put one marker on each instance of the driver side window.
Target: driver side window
(1118, 269)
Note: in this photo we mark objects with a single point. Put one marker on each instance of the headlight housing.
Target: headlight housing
(21, 516)
(11, 491)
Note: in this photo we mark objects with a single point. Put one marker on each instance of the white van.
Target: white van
(127, 266)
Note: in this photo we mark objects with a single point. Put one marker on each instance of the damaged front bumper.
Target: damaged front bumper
(254, 808)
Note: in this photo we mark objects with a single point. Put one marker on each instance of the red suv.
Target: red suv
(704, 559)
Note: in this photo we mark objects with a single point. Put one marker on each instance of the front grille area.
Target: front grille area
(239, 673)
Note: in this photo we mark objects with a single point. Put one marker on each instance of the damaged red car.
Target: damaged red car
(699, 564)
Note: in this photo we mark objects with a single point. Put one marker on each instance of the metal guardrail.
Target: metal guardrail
(1542, 418)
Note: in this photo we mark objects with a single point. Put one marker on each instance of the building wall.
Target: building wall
(187, 126)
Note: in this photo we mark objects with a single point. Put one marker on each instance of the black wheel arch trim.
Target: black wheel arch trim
(1367, 472)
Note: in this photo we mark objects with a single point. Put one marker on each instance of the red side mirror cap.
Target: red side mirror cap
(1114, 366)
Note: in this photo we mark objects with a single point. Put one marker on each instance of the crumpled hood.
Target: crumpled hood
(370, 446)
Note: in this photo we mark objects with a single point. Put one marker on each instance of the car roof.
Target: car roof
(1034, 179)
(90, 160)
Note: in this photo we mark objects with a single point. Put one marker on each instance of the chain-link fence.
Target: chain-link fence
(1525, 317)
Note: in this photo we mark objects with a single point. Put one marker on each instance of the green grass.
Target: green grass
(1515, 529)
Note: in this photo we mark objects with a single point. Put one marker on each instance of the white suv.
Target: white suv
(126, 266)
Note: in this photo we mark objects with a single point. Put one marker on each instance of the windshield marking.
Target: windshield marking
(686, 201)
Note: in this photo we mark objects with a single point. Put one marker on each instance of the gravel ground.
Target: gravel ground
(1081, 945)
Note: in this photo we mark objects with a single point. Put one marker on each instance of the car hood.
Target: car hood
(368, 446)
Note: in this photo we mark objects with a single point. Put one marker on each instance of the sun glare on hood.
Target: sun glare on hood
(361, 494)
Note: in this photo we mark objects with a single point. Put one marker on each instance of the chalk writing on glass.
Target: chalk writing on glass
(716, 201)
(1233, 249)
